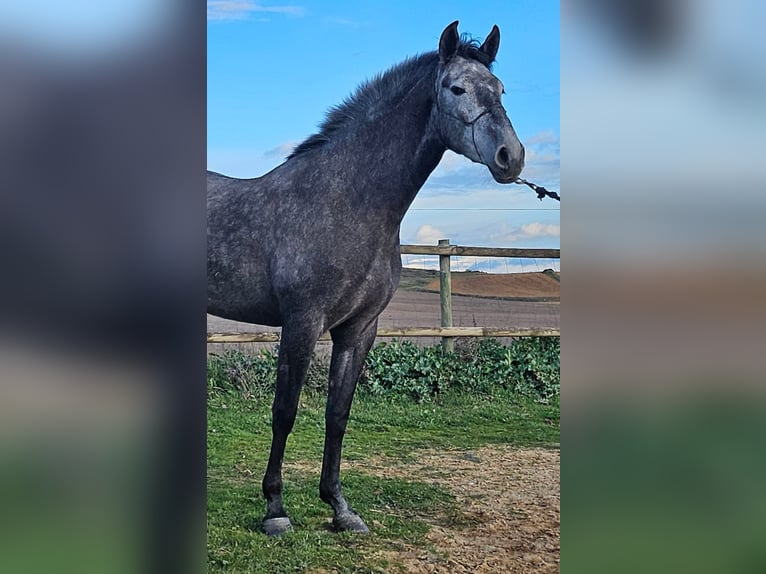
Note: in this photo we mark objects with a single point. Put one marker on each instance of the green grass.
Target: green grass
(416, 279)
(553, 274)
(398, 511)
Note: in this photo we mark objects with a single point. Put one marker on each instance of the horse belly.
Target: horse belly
(250, 312)
(240, 296)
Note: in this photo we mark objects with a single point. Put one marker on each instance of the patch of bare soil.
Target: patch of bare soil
(523, 285)
(510, 504)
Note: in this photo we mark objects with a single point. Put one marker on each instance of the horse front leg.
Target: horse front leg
(295, 350)
(350, 348)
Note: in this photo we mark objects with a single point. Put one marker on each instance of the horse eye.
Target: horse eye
(458, 91)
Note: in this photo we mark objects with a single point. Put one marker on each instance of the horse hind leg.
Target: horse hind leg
(350, 348)
(295, 350)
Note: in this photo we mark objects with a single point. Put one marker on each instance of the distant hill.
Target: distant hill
(416, 279)
(554, 274)
(538, 286)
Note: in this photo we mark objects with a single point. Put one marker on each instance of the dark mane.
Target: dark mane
(373, 96)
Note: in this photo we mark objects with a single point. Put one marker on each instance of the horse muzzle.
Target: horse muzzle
(508, 163)
(498, 146)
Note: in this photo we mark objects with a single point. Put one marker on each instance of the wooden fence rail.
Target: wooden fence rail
(448, 249)
(447, 332)
(273, 336)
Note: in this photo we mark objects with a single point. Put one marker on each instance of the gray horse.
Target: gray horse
(313, 245)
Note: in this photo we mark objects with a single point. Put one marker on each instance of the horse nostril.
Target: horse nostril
(502, 157)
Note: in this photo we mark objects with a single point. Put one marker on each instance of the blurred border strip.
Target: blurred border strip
(102, 320)
(663, 137)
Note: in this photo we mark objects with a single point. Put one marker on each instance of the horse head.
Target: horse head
(470, 117)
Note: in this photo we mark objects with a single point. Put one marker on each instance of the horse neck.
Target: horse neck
(397, 152)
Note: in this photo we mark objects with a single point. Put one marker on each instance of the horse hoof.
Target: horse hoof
(350, 522)
(276, 526)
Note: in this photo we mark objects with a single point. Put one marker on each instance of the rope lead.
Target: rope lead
(539, 189)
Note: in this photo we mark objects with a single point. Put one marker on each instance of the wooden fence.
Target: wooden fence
(447, 331)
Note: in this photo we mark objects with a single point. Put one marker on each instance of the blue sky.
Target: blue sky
(274, 68)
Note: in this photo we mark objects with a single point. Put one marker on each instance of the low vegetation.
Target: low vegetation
(529, 367)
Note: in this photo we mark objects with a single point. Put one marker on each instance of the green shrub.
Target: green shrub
(528, 366)
(254, 375)
(535, 366)
(242, 373)
(401, 368)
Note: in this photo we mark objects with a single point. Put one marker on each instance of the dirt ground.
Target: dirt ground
(510, 499)
(532, 285)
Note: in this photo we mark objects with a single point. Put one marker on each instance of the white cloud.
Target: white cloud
(456, 174)
(534, 156)
(543, 159)
(527, 231)
(282, 150)
(545, 137)
(450, 163)
(342, 22)
(420, 262)
(485, 264)
(429, 235)
(241, 9)
(537, 229)
(247, 162)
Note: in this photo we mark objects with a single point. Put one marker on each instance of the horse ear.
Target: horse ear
(491, 44)
(448, 42)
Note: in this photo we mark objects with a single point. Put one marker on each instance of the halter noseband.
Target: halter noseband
(466, 122)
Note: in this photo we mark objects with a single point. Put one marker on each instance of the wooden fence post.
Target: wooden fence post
(445, 295)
